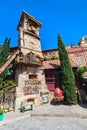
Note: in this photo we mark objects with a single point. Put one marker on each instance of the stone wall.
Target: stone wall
(36, 88)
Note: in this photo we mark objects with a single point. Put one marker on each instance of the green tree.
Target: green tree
(83, 81)
(81, 70)
(4, 53)
(67, 76)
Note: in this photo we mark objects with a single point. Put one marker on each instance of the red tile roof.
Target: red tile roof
(52, 64)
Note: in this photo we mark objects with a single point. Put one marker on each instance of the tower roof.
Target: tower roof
(28, 16)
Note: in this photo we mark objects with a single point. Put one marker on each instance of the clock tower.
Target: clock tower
(29, 73)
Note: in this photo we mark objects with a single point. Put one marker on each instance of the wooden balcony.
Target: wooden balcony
(27, 61)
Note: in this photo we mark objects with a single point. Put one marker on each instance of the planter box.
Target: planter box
(1, 117)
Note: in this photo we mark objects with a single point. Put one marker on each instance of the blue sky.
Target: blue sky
(67, 17)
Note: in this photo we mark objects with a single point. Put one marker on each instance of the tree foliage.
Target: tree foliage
(7, 84)
(4, 53)
(66, 72)
(81, 70)
(82, 80)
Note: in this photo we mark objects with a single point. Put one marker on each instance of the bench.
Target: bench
(28, 106)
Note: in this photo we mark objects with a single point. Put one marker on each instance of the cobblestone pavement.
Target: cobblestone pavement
(61, 110)
(47, 117)
(47, 123)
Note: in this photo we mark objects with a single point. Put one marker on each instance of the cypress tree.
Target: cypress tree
(67, 75)
(4, 55)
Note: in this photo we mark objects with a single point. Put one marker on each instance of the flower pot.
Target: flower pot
(1, 117)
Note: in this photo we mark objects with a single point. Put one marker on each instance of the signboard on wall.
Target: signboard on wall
(31, 89)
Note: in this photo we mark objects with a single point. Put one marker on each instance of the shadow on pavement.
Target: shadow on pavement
(84, 105)
(56, 102)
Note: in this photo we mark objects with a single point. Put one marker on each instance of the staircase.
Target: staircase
(12, 57)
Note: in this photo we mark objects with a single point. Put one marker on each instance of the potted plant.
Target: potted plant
(1, 114)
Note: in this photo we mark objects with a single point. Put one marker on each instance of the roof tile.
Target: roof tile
(52, 64)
